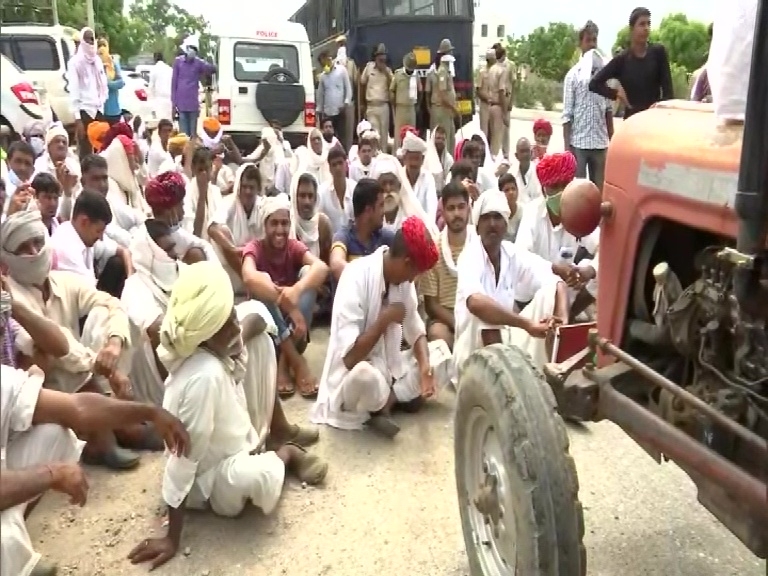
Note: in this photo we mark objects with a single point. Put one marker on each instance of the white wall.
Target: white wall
(489, 28)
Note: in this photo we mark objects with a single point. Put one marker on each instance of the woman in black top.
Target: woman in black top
(642, 70)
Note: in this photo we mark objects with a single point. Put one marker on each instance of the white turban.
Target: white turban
(488, 202)
(56, 129)
(200, 304)
(412, 143)
(385, 164)
(20, 227)
(371, 134)
(363, 127)
(590, 61)
(274, 203)
(191, 41)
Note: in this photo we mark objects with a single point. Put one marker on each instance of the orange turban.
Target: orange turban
(96, 132)
(212, 125)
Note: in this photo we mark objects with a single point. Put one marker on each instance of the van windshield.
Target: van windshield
(254, 60)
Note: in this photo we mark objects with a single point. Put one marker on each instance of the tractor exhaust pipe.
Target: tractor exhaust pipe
(752, 196)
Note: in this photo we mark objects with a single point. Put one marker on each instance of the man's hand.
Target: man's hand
(394, 313)
(538, 329)
(585, 274)
(568, 273)
(621, 96)
(69, 478)
(227, 142)
(289, 298)
(107, 358)
(299, 324)
(505, 119)
(471, 188)
(266, 144)
(121, 386)
(428, 385)
(21, 198)
(67, 180)
(173, 432)
(156, 551)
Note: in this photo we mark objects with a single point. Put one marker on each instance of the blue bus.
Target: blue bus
(402, 26)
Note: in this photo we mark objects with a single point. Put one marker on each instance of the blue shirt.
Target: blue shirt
(347, 239)
(112, 105)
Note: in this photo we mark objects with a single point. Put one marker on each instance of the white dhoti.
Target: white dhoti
(71, 377)
(43, 444)
(365, 389)
(162, 108)
(468, 338)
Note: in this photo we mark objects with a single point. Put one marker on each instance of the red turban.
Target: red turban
(555, 170)
(542, 125)
(117, 129)
(165, 191)
(421, 248)
(408, 128)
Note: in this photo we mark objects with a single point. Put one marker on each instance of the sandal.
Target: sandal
(308, 388)
(285, 388)
(309, 468)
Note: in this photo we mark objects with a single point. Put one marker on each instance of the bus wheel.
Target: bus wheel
(517, 484)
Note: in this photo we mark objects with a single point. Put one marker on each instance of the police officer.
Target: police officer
(403, 93)
(442, 94)
(374, 84)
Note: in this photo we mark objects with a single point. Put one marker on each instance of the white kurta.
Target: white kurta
(160, 79)
(523, 276)
(23, 445)
(328, 203)
(212, 204)
(528, 187)
(358, 171)
(347, 397)
(426, 193)
(204, 394)
(243, 227)
(537, 234)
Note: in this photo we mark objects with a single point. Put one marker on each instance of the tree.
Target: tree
(686, 41)
(547, 51)
(167, 25)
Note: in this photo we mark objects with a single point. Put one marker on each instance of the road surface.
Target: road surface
(390, 509)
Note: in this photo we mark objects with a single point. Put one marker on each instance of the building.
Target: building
(488, 27)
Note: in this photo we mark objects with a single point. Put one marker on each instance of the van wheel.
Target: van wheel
(516, 481)
(280, 97)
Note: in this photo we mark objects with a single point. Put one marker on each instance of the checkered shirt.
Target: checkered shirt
(585, 111)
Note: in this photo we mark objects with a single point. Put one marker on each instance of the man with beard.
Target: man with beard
(146, 301)
(283, 274)
(365, 234)
(492, 275)
(541, 232)
(237, 222)
(99, 346)
(421, 181)
(335, 195)
(329, 134)
(308, 225)
(366, 375)
(229, 462)
(439, 284)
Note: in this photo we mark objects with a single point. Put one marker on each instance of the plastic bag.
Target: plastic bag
(730, 57)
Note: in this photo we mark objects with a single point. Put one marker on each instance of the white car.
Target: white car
(133, 98)
(23, 101)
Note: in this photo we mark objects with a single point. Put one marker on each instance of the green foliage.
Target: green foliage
(686, 41)
(547, 51)
(535, 91)
(680, 81)
(161, 18)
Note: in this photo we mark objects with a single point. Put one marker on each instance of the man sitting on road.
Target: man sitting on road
(335, 196)
(542, 233)
(366, 233)
(100, 345)
(201, 347)
(375, 306)
(308, 224)
(438, 286)
(493, 274)
(283, 274)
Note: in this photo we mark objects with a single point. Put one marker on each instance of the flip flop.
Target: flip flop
(305, 391)
(309, 468)
(285, 389)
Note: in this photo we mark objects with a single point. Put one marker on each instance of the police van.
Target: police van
(264, 75)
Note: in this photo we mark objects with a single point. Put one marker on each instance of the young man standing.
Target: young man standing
(188, 71)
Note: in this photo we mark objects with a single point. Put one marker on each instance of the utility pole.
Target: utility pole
(55, 9)
(90, 15)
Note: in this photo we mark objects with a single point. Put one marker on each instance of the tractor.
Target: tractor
(678, 357)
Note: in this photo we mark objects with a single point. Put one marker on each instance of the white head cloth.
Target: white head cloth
(488, 202)
(274, 203)
(412, 143)
(363, 127)
(309, 230)
(589, 61)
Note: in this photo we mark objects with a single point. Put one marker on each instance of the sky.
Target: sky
(610, 15)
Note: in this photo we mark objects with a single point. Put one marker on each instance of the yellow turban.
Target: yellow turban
(211, 124)
(200, 304)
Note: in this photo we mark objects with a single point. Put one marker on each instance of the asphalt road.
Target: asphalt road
(390, 509)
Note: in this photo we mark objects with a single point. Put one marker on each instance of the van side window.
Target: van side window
(65, 52)
(37, 53)
(253, 60)
(6, 48)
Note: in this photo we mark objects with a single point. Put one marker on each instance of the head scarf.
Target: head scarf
(156, 269)
(419, 244)
(54, 130)
(165, 191)
(408, 129)
(96, 133)
(274, 203)
(117, 129)
(312, 162)
(589, 63)
(363, 127)
(489, 202)
(119, 168)
(200, 304)
(309, 230)
(542, 125)
(412, 143)
(212, 125)
(432, 161)
(556, 170)
(18, 228)
(86, 61)
(242, 226)
(34, 128)
(409, 204)
(106, 59)
(191, 41)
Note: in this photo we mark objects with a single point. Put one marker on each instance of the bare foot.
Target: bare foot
(285, 386)
(306, 383)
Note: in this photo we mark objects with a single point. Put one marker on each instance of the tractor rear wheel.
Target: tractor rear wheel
(517, 484)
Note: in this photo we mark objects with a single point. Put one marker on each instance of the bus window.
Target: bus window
(397, 7)
(369, 8)
(461, 7)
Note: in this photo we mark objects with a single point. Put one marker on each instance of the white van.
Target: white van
(265, 75)
(22, 102)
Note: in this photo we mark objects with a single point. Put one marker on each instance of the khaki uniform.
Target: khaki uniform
(496, 82)
(403, 104)
(376, 83)
(481, 89)
(441, 89)
(511, 79)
